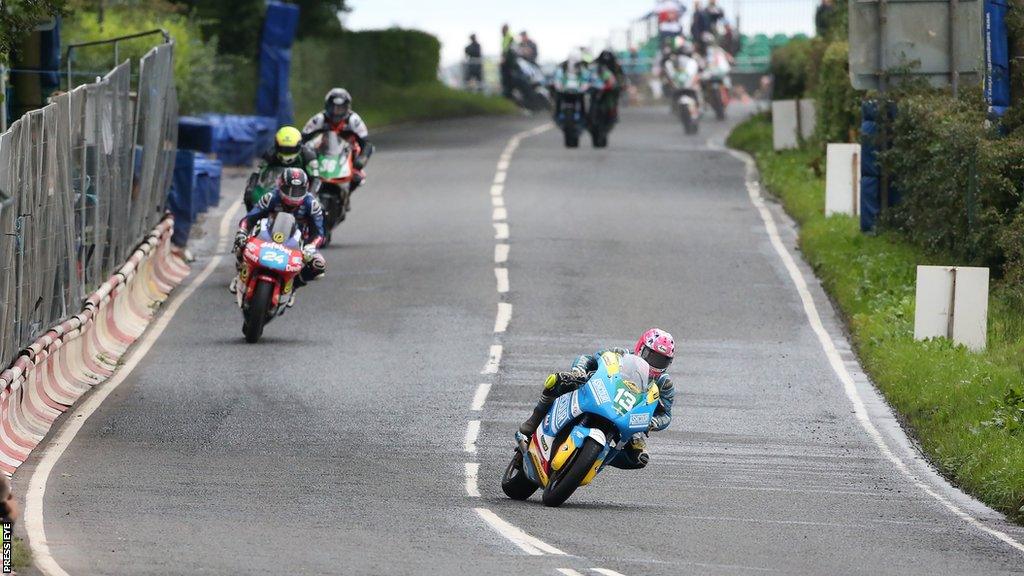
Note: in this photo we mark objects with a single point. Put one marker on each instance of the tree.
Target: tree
(319, 17)
(235, 23)
(19, 17)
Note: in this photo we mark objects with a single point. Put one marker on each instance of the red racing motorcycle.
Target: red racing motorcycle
(272, 259)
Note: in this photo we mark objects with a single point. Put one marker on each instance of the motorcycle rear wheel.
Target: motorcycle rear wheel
(564, 482)
(515, 483)
(572, 139)
(256, 317)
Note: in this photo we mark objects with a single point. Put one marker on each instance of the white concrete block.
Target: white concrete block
(842, 179)
(970, 308)
(952, 302)
(784, 124)
(932, 302)
(808, 118)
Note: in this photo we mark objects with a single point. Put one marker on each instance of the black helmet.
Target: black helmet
(293, 184)
(337, 105)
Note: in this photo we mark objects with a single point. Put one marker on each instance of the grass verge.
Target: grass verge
(390, 105)
(21, 557)
(965, 409)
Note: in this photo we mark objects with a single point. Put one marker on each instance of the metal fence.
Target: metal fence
(81, 182)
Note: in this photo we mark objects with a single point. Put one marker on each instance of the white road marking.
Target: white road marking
(34, 521)
(501, 275)
(493, 360)
(502, 319)
(503, 164)
(500, 253)
(526, 543)
(569, 572)
(839, 367)
(607, 572)
(472, 431)
(501, 231)
(499, 177)
(472, 468)
(499, 214)
(480, 396)
(497, 201)
(497, 189)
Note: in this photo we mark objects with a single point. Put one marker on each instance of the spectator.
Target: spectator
(474, 75)
(507, 60)
(699, 24)
(669, 13)
(527, 47)
(823, 17)
(714, 15)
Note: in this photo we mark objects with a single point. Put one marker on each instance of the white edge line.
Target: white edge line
(569, 572)
(529, 544)
(480, 396)
(472, 431)
(499, 213)
(472, 469)
(607, 572)
(503, 317)
(34, 522)
(497, 189)
(839, 367)
(501, 231)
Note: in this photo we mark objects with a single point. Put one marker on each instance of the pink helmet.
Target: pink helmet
(658, 348)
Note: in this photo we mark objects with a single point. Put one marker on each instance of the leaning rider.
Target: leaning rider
(292, 195)
(656, 347)
(288, 152)
(339, 117)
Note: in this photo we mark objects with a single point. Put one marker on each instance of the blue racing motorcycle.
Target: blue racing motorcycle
(583, 431)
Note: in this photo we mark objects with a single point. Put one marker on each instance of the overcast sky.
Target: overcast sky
(556, 25)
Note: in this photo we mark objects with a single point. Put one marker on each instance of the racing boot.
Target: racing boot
(233, 286)
(638, 448)
(528, 427)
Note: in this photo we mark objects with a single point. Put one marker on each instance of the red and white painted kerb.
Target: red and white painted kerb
(54, 371)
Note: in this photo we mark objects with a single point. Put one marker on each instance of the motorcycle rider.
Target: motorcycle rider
(292, 195)
(685, 60)
(657, 348)
(339, 117)
(608, 82)
(287, 152)
(573, 70)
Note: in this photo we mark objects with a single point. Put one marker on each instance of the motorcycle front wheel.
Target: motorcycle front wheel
(564, 482)
(690, 125)
(515, 483)
(256, 316)
(572, 139)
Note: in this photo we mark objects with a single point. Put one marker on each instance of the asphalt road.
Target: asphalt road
(336, 445)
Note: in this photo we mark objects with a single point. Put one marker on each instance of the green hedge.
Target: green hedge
(961, 180)
(794, 67)
(838, 104)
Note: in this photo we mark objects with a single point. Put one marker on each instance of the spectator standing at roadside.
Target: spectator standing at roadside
(474, 76)
(9, 510)
(507, 60)
(823, 17)
(669, 13)
(527, 47)
(699, 24)
(714, 15)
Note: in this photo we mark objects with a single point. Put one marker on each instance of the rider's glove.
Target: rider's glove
(241, 237)
(308, 252)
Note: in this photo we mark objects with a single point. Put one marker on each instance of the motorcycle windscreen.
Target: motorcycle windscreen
(333, 155)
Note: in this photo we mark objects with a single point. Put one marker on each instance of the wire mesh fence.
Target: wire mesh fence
(81, 182)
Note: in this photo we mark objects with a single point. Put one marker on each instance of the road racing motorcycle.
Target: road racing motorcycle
(271, 260)
(260, 183)
(336, 159)
(687, 93)
(571, 114)
(528, 86)
(583, 431)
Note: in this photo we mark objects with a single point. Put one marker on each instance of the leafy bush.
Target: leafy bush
(838, 104)
(962, 182)
(204, 82)
(794, 67)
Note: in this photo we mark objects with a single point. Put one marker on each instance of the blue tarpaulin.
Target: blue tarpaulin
(195, 187)
(195, 134)
(239, 139)
(273, 97)
(870, 172)
(997, 56)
